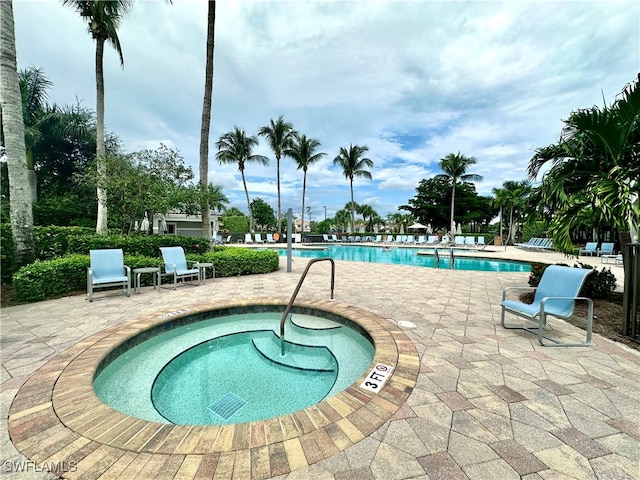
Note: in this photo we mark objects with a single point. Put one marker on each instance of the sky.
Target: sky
(412, 80)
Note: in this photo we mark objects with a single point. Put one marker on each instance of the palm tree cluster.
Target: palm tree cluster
(236, 147)
(594, 170)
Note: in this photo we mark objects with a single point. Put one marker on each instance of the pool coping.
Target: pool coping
(57, 414)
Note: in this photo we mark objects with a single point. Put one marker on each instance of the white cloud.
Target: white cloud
(413, 80)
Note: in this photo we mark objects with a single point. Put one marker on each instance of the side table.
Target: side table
(202, 267)
(137, 272)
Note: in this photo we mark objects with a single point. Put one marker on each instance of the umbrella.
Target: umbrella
(401, 229)
(459, 230)
(416, 226)
(144, 225)
(162, 225)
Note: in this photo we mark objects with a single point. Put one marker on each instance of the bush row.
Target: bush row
(599, 284)
(53, 242)
(53, 278)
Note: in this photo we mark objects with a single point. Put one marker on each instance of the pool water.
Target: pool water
(410, 256)
(230, 369)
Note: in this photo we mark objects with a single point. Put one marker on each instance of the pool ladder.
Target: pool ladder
(295, 294)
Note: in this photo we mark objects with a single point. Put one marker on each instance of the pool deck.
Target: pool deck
(487, 403)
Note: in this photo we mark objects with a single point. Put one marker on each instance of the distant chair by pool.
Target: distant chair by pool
(270, 238)
(431, 239)
(470, 241)
(481, 242)
(458, 240)
(259, 238)
(378, 239)
(591, 248)
(248, 238)
(606, 249)
(421, 240)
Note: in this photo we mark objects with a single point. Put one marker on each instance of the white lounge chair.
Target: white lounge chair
(259, 238)
(107, 270)
(270, 238)
(458, 240)
(470, 241)
(248, 238)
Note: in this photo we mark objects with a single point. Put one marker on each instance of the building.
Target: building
(176, 223)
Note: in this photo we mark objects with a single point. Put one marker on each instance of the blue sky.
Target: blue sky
(412, 80)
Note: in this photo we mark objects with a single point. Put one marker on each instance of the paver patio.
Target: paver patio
(487, 403)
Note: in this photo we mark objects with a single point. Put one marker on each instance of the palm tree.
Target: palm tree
(303, 151)
(280, 135)
(103, 19)
(13, 139)
(206, 120)
(236, 147)
(500, 201)
(455, 167)
(367, 212)
(353, 165)
(36, 112)
(595, 168)
(512, 195)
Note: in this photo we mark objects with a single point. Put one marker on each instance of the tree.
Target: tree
(145, 183)
(353, 164)
(36, 112)
(206, 120)
(595, 169)
(103, 20)
(303, 151)
(342, 218)
(455, 168)
(432, 201)
(236, 147)
(263, 214)
(513, 195)
(279, 135)
(367, 212)
(20, 203)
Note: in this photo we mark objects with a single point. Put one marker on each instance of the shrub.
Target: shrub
(52, 278)
(236, 224)
(146, 245)
(600, 284)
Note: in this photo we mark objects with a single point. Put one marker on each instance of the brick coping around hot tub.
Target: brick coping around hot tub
(56, 415)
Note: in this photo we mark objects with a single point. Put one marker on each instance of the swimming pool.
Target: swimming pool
(229, 369)
(410, 256)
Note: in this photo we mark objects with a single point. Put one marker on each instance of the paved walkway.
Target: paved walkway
(488, 403)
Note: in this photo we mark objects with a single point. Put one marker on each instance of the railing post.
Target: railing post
(631, 298)
(295, 293)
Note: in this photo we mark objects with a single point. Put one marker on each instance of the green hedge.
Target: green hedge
(53, 278)
(54, 242)
(599, 284)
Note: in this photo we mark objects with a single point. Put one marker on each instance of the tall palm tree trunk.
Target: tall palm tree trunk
(246, 192)
(12, 121)
(206, 122)
(353, 210)
(101, 190)
(453, 205)
(304, 188)
(279, 223)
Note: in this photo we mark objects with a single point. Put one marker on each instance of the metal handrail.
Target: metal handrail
(295, 293)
